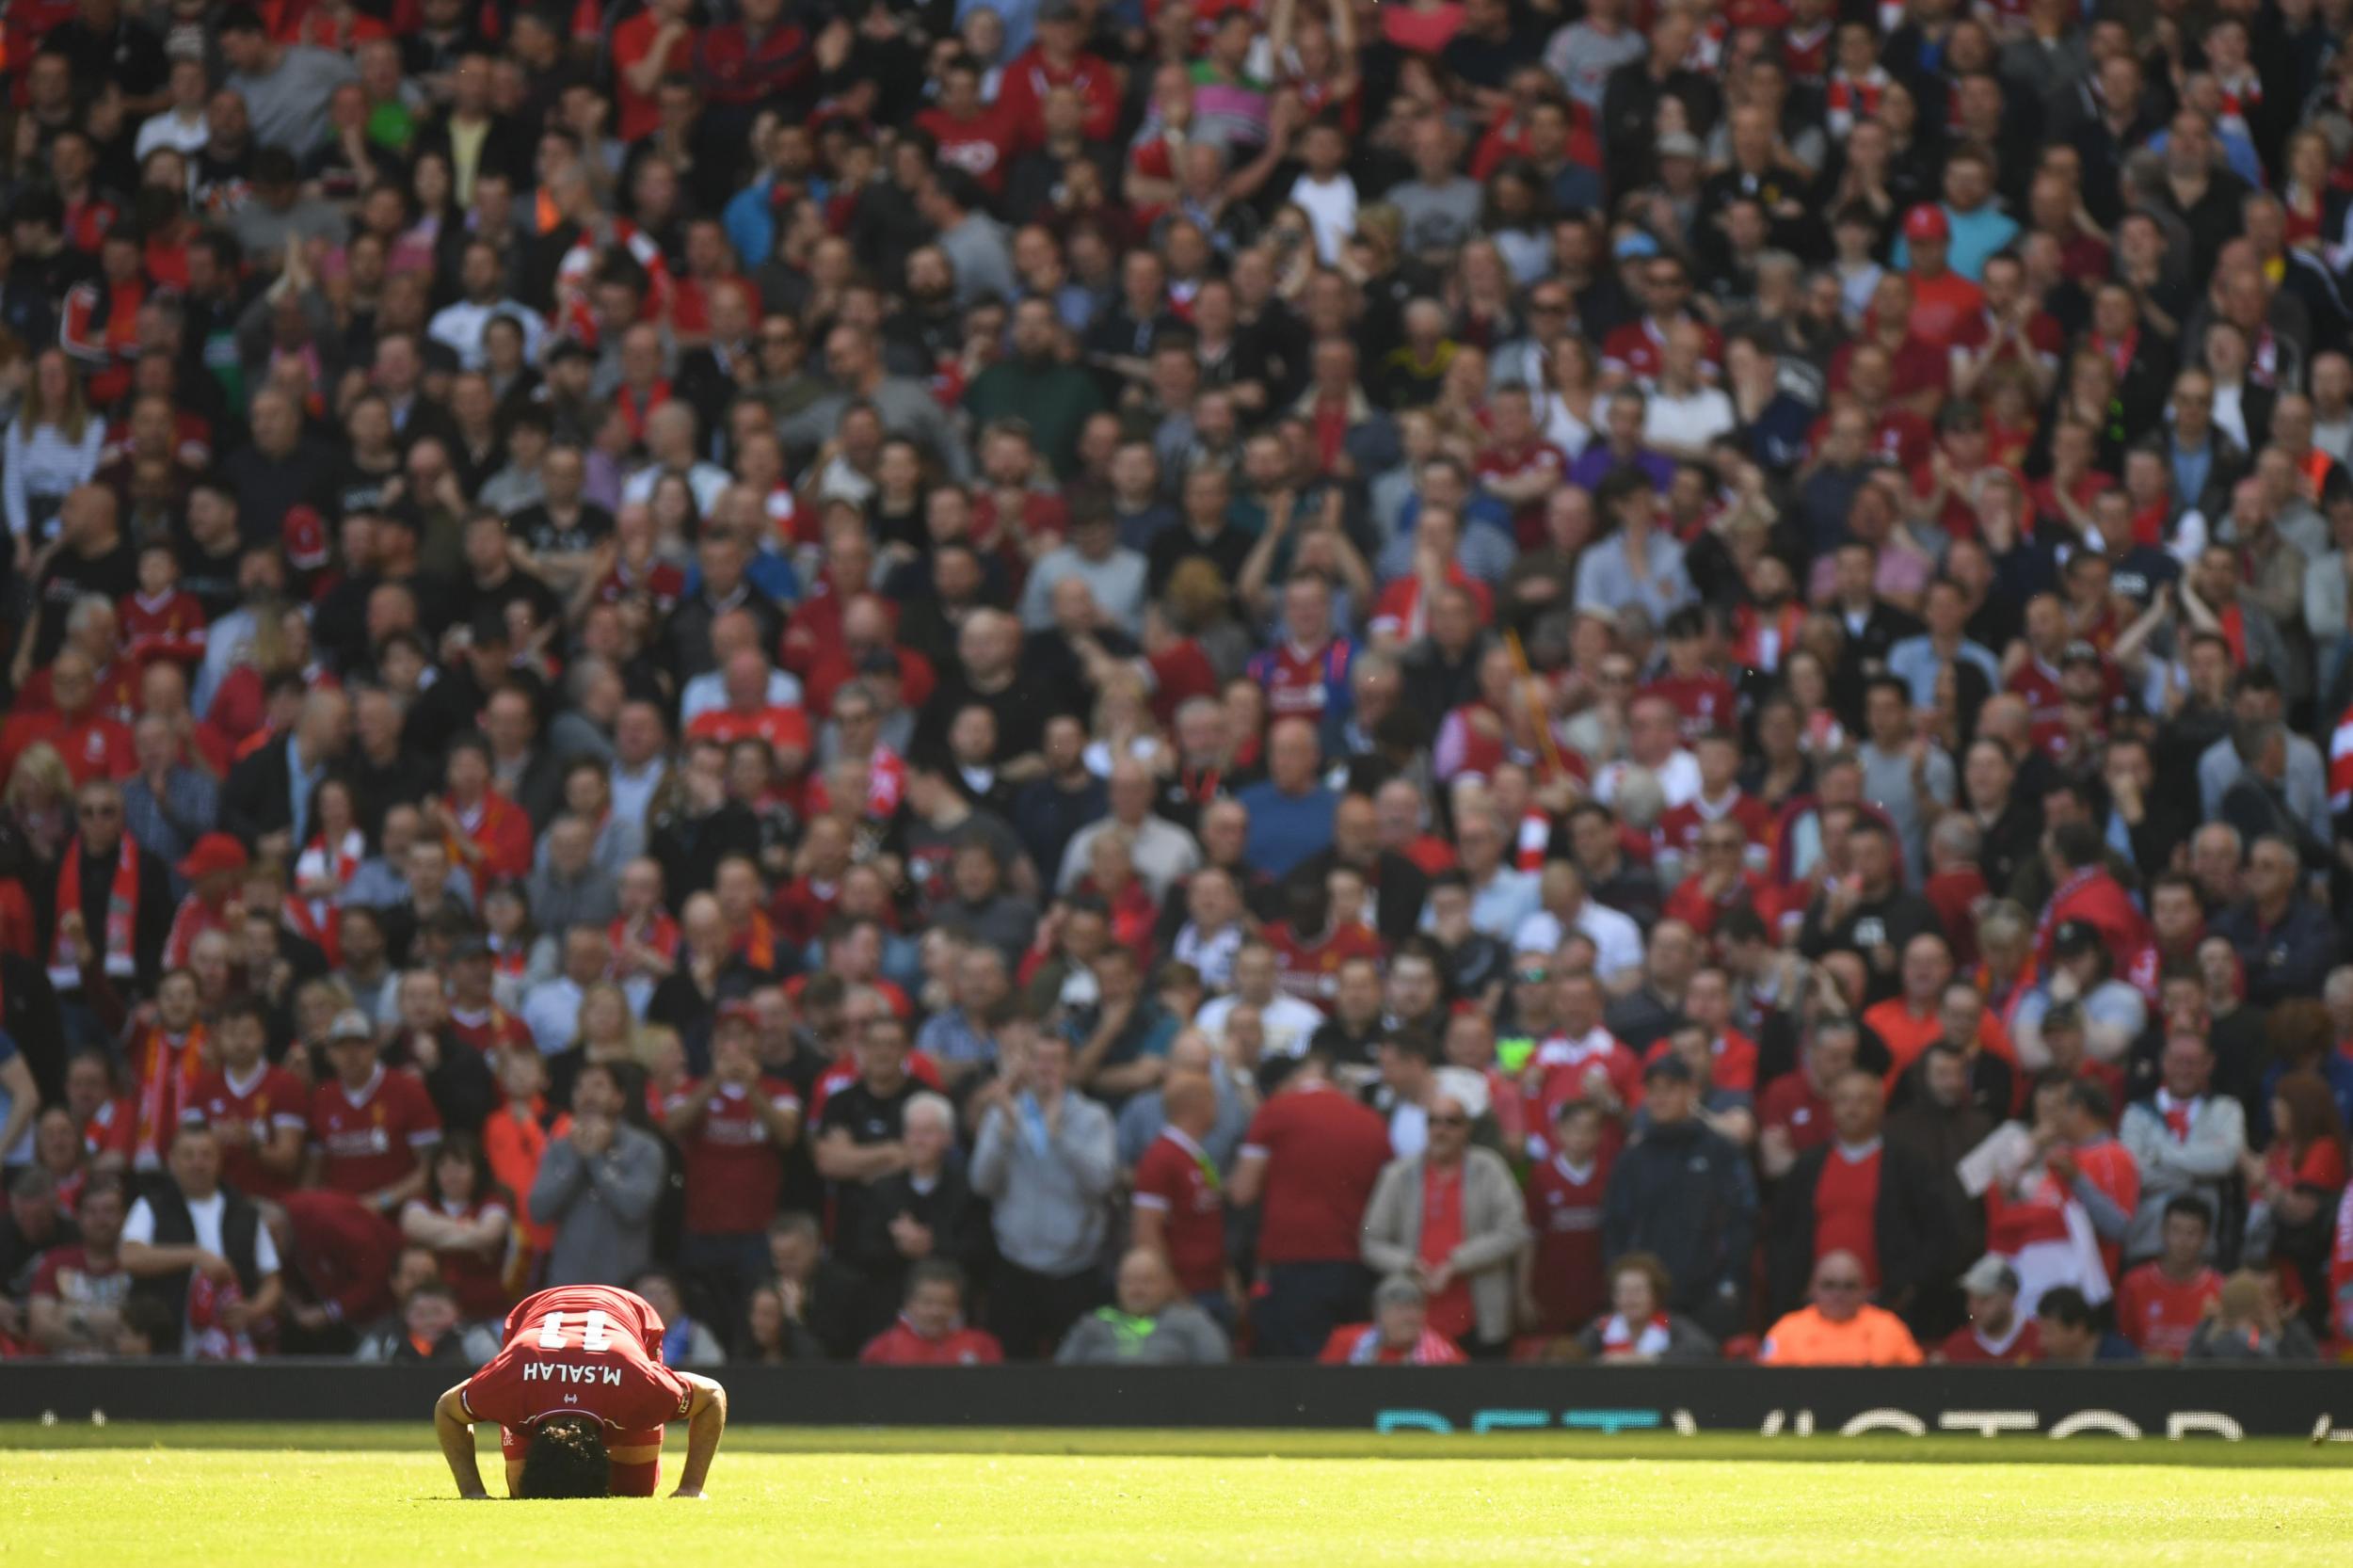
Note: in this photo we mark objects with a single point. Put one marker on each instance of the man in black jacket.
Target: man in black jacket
(192, 1228)
(1868, 912)
(1882, 1201)
(266, 799)
(1684, 1194)
(1396, 887)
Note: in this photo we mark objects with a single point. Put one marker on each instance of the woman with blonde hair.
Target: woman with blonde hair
(38, 802)
(1123, 726)
(52, 447)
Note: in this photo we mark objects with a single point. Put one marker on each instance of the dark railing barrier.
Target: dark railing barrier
(2190, 1403)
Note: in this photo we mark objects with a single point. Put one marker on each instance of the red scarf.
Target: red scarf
(167, 1076)
(758, 944)
(2234, 632)
(122, 916)
(660, 935)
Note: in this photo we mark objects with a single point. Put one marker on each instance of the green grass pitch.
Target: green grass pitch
(328, 1497)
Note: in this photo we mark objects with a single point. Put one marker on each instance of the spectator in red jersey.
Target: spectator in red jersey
(2297, 1181)
(373, 1128)
(1793, 1114)
(202, 1250)
(259, 1111)
(1561, 1284)
(733, 1129)
(1179, 1204)
(81, 1287)
(470, 1224)
(1880, 1201)
(1997, 1330)
(1310, 1157)
(2160, 1304)
(931, 1330)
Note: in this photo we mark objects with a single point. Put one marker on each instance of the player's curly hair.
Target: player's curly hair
(566, 1458)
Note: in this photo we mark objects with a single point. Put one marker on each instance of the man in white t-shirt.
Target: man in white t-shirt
(1324, 191)
(205, 1250)
(1288, 1022)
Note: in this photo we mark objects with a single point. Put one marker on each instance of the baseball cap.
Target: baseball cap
(213, 851)
(350, 1024)
(1669, 1068)
(2073, 938)
(1927, 222)
(1990, 1274)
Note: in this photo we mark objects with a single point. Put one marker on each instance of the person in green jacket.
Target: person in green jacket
(1037, 385)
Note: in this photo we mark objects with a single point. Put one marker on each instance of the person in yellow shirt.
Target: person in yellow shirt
(1839, 1327)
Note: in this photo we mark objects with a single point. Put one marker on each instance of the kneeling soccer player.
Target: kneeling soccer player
(580, 1396)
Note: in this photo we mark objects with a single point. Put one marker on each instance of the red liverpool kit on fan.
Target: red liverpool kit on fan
(581, 1350)
(372, 1139)
(1176, 1177)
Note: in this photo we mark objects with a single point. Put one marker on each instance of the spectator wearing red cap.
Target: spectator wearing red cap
(213, 869)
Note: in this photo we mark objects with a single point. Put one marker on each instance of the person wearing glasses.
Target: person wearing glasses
(108, 916)
(1451, 1220)
(1839, 1326)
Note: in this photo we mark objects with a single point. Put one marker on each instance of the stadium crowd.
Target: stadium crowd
(1158, 680)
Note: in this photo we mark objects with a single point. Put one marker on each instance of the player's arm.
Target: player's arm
(454, 1428)
(706, 1419)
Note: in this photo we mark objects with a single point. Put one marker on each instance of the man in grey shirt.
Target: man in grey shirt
(973, 242)
(907, 407)
(1045, 1160)
(1910, 779)
(1113, 574)
(1439, 205)
(1153, 1324)
(285, 87)
(597, 1186)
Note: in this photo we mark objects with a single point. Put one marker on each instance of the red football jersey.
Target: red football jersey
(579, 1350)
(1324, 1152)
(1705, 701)
(1565, 1210)
(733, 1168)
(1309, 968)
(901, 1345)
(1176, 1177)
(2157, 1314)
(2046, 705)
(271, 1100)
(491, 1030)
(1679, 826)
(372, 1139)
